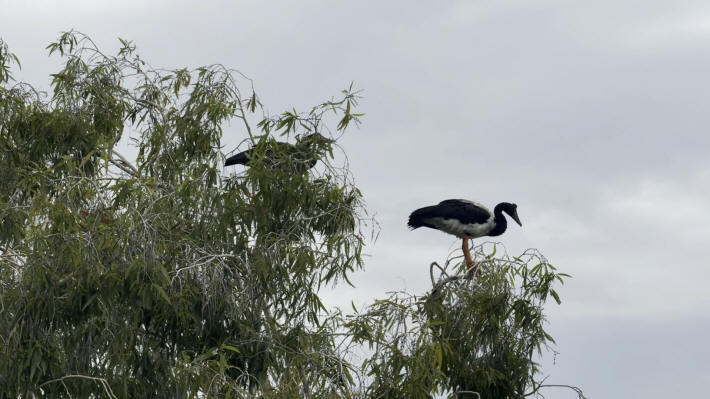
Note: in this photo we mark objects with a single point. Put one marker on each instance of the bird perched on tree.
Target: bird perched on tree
(465, 219)
(305, 153)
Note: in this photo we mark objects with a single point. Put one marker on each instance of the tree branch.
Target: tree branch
(577, 390)
(100, 381)
(123, 164)
(456, 394)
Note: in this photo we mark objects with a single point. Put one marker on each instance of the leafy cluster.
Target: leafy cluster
(163, 275)
(467, 338)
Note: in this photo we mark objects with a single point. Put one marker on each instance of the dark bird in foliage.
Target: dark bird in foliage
(305, 152)
(465, 219)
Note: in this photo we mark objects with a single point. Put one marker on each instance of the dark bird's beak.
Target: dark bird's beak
(515, 217)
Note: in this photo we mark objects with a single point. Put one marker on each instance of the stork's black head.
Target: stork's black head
(511, 210)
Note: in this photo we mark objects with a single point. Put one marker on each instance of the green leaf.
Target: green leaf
(162, 293)
(230, 348)
(88, 302)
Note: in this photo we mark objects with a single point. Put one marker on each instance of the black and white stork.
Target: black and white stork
(465, 219)
(305, 152)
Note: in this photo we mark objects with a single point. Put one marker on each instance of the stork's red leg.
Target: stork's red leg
(467, 256)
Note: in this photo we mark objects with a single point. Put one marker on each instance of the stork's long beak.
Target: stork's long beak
(515, 217)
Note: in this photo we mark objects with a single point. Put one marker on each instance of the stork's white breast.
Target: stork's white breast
(461, 230)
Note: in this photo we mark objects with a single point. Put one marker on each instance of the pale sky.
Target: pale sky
(592, 116)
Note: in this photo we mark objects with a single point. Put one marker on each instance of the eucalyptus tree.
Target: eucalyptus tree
(165, 275)
(464, 338)
(160, 276)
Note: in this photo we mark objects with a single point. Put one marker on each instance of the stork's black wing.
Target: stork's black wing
(279, 153)
(242, 158)
(462, 210)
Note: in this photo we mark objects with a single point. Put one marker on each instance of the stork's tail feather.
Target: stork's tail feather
(413, 224)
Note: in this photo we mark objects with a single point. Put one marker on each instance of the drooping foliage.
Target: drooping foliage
(466, 338)
(166, 276)
(162, 274)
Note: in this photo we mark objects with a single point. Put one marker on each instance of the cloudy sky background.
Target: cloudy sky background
(592, 116)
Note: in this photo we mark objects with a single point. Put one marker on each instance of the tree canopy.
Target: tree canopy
(165, 275)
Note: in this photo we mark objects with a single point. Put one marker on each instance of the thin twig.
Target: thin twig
(100, 381)
(456, 394)
(577, 390)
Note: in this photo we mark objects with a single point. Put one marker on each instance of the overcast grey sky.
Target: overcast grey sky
(591, 115)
